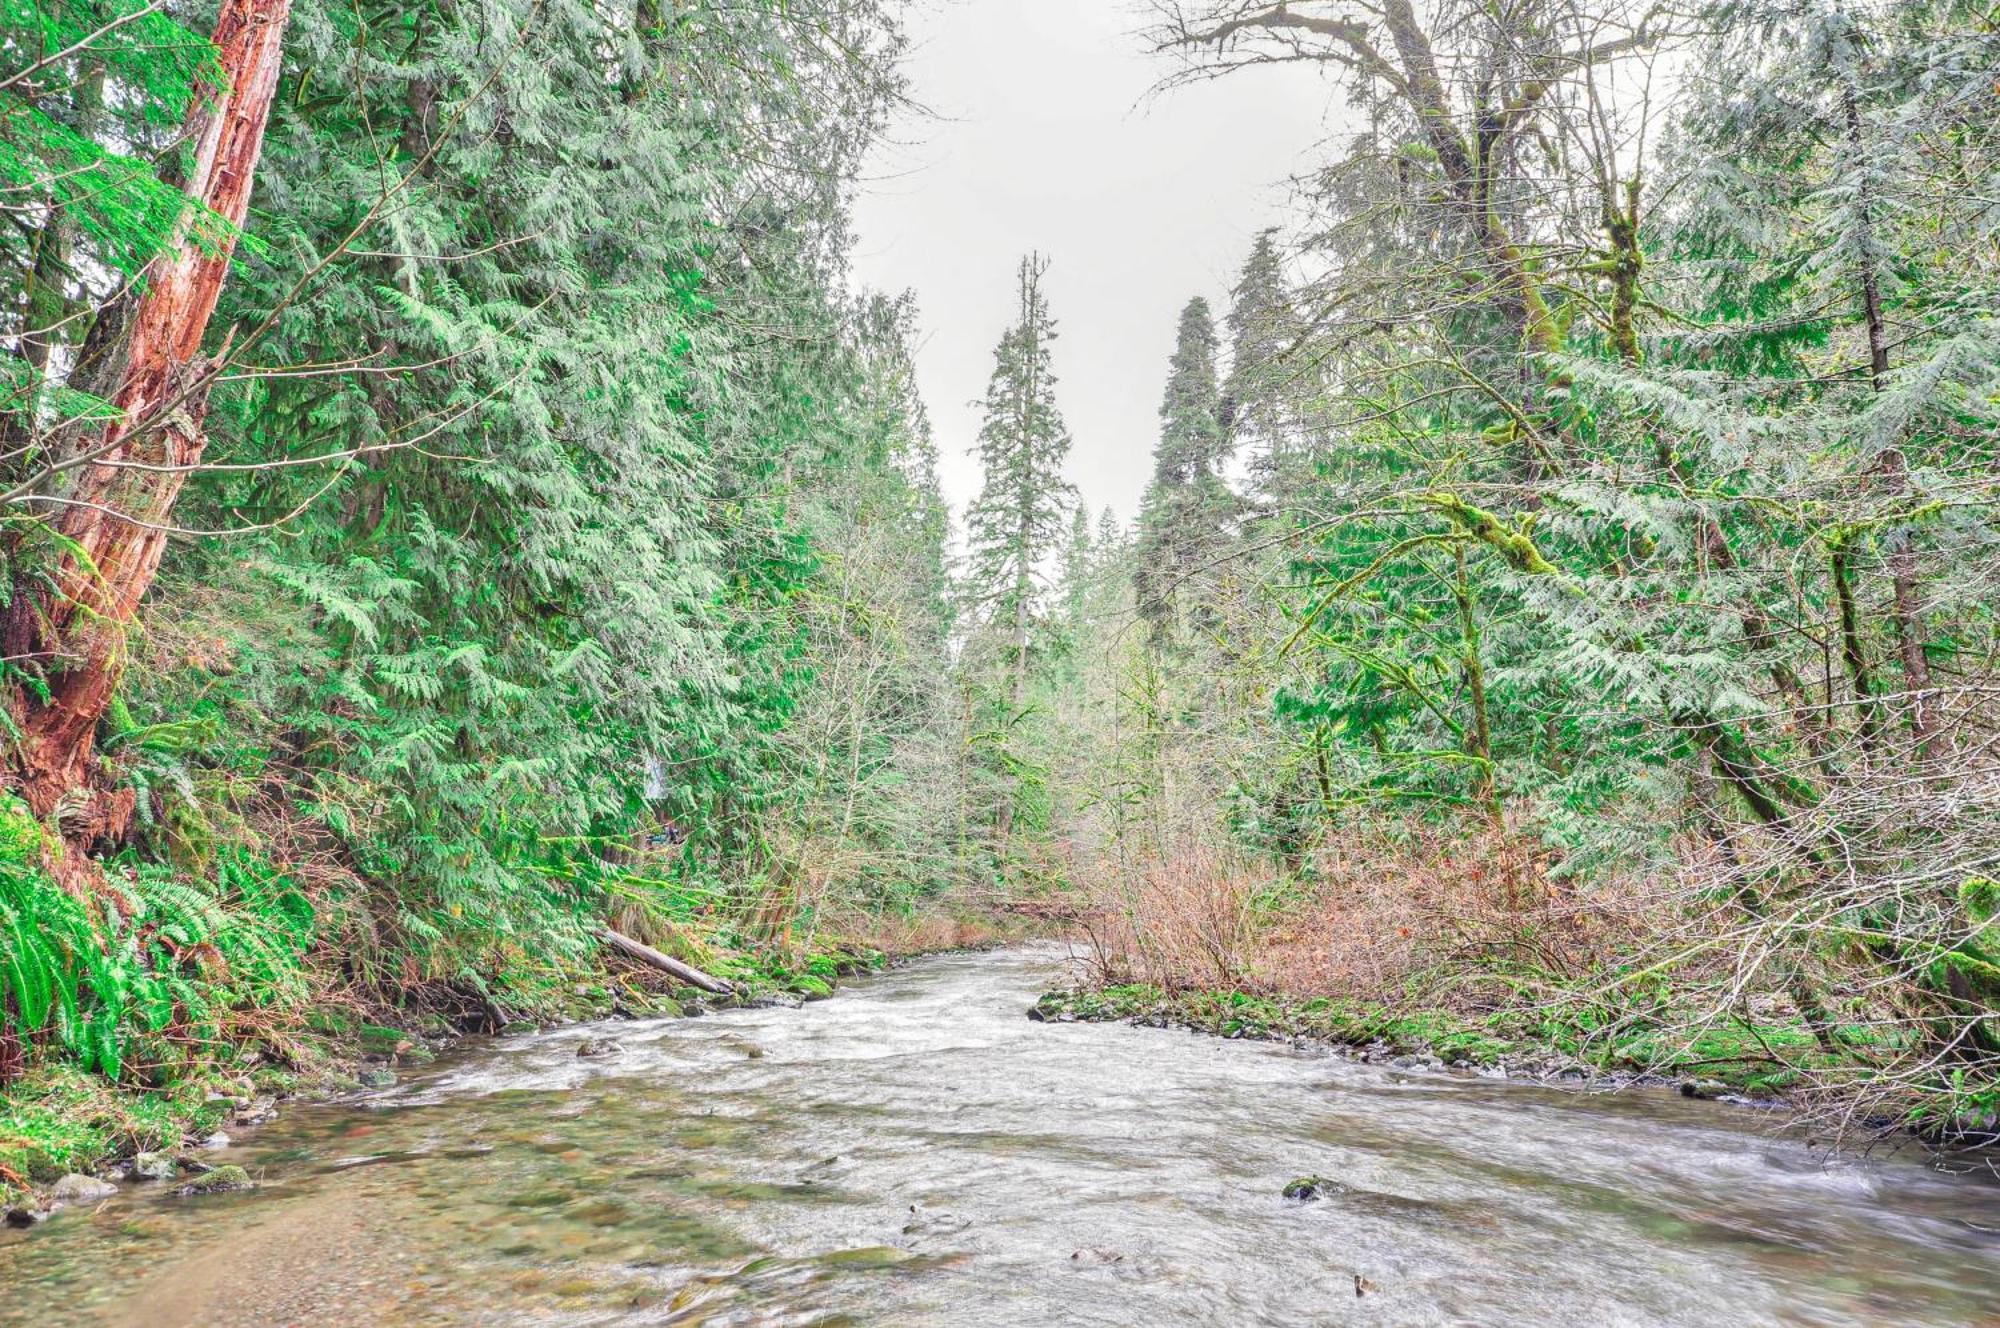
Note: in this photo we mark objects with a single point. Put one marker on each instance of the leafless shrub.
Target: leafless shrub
(1377, 915)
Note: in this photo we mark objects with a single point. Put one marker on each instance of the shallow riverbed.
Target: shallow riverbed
(915, 1151)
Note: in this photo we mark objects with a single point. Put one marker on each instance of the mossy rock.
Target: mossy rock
(222, 1180)
(1307, 1189)
(812, 987)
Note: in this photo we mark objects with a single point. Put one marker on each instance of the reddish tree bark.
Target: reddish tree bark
(112, 530)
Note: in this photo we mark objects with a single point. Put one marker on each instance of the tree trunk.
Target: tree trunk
(112, 527)
(1908, 611)
(667, 964)
(1851, 648)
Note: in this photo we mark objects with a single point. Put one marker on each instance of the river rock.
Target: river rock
(1703, 1088)
(154, 1166)
(219, 1181)
(1306, 1189)
(600, 1047)
(22, 1216)
(77, 1188)
(260, 1110)
(377, 1077)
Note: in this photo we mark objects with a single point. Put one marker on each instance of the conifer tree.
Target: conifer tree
(1020, 514)
(1188, 506)
(1255, 405)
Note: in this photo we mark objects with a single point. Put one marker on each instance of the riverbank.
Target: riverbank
(913, 1149)
(59, 1120)
(1729, 1065)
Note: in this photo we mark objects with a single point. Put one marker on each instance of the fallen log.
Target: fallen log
(646, 954)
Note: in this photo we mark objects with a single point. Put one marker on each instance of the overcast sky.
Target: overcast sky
(1043, 137)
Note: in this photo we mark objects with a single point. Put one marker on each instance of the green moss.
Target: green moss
(60, 1118)
(218, 1181)
(23, 842)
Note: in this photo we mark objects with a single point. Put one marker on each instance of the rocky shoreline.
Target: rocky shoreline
(1429, 1046)
(367, 1057)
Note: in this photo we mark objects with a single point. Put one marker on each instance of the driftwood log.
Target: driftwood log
(646, 954)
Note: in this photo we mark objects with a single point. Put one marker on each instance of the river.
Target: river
(915, 1151)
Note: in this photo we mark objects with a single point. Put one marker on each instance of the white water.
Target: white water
(915, 1151)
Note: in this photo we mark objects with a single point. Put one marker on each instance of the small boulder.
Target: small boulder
(77, 1189)
(219, 1181)
(154, 1166)
(1306, 1189)
(1703, 1088)
(600, 1047)
(377, 1077)
(259, 1110)
(22, 1216)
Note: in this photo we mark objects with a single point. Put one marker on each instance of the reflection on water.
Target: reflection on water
(914, 1151)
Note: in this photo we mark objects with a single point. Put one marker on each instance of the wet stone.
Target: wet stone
(75, 1188)
(154, 1166)
(1307, 1189)
(600, 1047)
(219, 1181)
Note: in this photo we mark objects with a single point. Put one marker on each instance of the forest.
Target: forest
(459, 505)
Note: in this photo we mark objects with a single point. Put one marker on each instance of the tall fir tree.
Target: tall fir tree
(1257, 408)
(1188, 507)
(1022, 509)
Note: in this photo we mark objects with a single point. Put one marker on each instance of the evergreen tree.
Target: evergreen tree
(1020, 514)
(1257, 407)
(1079, 563)
(1184, 523)
(1110, 532)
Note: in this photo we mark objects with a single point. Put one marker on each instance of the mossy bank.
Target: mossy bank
(1740, 1063)
(60, 1119)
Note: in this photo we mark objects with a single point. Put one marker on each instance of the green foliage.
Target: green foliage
(155, 977)
(593, 563)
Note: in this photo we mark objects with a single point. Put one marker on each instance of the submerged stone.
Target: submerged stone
(154, 1166)
(75, 1188)
(600, 1047)
(219, 1181)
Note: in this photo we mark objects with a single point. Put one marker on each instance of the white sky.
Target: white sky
(1043, 137)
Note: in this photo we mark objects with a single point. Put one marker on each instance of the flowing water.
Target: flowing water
(915, 1151)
